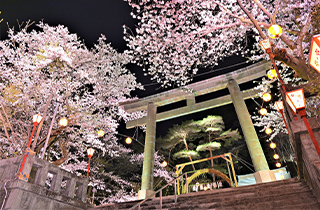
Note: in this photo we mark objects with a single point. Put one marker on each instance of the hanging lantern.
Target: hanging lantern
(263, 111)
(265, 44)
(271, 74)
(100, 133)
(63, 122)
(314, 59)
(268, 131)
(36, 119)
(197, 184)
(274, 31)
(279, 105)
(278, 165)
(295, 99)
(128, 140)
(273, 145)
(276, 156)
(164, 163)
(266, 97)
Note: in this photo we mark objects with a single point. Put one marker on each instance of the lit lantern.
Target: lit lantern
(279, 105)
(268, 131)
(265, 45)
(266, 97)
(274, 31)
(278, 164)
(273, 145)
(90, 152)
(271, 74)
(100, 133)
(314, 59)
(295, 99)
(197, 184)
(63, 122)
(128, 140)
(205, 188)
(36, 119)
(164, 163)
(276, 156)
(263, 111)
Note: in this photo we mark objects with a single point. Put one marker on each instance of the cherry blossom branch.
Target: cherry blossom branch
(5, 127)
(5, 114)
(255, 23)
(273, 20)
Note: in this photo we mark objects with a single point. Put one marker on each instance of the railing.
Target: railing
(46, 175)
(160, 190)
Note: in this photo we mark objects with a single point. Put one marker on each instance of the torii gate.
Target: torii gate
(237, 97)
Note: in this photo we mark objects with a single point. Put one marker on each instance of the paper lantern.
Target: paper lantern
(279, 105)
(63, 122)
(273, 145)
(268, 131)
(265, 45)
(263, 111)
(271, 74)
(128, 140)
(266, 97)
(100, 133)
(314, 59)
(274, 31)
(295, 99)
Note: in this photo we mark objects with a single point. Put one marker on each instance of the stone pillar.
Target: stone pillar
(263, 173)
(149, 149)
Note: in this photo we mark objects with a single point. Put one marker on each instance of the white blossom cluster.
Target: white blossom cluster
(174, 38)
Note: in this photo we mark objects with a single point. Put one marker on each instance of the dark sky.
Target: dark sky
(91, 18)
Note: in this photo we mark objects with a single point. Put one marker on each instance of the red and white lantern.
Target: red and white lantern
(314, 59)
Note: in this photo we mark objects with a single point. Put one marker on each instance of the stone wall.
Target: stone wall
(48, 187)
(308, 160)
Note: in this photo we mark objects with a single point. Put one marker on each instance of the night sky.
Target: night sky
(90, 19)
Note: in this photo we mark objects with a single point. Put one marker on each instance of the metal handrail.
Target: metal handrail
(160, 190)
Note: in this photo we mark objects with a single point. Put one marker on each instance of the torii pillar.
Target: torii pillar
(263, 173)
(149, 150)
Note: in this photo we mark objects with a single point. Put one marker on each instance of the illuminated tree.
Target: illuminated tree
(175, 37)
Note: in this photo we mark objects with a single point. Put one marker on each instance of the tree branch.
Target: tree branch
(273, 20)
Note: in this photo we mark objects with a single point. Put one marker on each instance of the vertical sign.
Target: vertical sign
(314, 59)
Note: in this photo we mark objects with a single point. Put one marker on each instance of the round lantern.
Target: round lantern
(274, 31)
(128, 140)
(263, 111)
(63, 122)
(164, 163)
(271, 74)
(268, 131)
(273, 145)
(266, 97)
(278, 164)
(276, 156)
(100, 133)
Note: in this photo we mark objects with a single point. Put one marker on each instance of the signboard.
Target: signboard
(314, 59)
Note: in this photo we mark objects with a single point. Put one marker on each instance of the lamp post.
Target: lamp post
(36, 120)
(296, 101)
(279, 107)
(90, 152)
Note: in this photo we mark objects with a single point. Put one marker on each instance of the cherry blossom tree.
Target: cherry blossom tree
(50, 67)
(175, 37)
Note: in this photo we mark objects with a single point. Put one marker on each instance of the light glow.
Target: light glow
(268, 131)
(276, 156)
(128, 140)
(63, 122)
(278, 164)
(165, 163)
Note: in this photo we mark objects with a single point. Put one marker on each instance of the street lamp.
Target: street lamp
(90, 152)
(296, 101)
(279, 107)
(36, 120)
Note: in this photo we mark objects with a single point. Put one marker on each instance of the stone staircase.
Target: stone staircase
(286, 194)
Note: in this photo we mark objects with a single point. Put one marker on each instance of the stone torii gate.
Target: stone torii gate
(237, 97)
